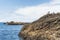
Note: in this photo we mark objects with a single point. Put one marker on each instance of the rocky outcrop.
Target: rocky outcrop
(45, 28)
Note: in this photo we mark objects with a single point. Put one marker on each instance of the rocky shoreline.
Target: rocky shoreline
(45, 28)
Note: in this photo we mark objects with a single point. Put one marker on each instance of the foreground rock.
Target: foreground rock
(46, 28)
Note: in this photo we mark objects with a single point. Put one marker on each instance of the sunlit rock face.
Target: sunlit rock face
(45, 28)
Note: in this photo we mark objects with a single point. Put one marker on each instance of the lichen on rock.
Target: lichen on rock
(45, 28)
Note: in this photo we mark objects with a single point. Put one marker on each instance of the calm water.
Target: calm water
(9, 32)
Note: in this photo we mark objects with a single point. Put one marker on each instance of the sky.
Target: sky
(26, 10)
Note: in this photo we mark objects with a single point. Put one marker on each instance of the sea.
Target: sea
(9, 32)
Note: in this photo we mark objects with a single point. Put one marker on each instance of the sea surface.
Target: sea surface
(9, 32)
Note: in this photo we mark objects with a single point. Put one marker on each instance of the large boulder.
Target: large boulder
(45, 28)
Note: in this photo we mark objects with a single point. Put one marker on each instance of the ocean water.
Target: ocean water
(9, 32)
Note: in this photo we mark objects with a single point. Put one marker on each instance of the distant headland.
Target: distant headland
(16, 23)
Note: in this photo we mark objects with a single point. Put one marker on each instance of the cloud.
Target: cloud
(35, 12)
(56, 1)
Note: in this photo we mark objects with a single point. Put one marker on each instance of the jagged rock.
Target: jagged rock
(45, 28)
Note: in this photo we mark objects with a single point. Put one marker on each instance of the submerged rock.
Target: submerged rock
(45, 28)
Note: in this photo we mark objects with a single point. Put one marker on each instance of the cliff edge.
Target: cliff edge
(45, 28)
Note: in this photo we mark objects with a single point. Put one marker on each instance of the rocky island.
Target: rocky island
(45, 28)
(16, 23)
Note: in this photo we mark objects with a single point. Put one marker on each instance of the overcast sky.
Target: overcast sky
(26, 10)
